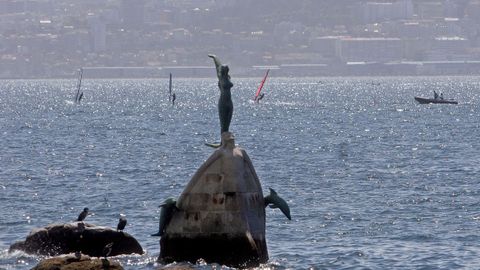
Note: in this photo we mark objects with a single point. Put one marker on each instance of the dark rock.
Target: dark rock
(77, 262)
(73, 237)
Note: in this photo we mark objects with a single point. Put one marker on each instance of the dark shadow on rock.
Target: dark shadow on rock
(105, 264)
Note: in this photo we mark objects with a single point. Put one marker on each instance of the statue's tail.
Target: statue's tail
(213, 145)
(166, 213)
(276, 201)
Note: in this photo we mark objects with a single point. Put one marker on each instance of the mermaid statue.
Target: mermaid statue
(225, 105)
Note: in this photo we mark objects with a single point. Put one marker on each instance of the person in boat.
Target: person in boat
(435, 95)
(441, 96)
(173, 99)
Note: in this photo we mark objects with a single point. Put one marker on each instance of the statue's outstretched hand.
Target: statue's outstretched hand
(217, 63)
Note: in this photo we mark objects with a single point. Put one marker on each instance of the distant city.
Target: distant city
(152, 38)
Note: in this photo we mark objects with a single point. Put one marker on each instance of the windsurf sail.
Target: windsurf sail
(257, 94)
(79, 95)
(170, 88)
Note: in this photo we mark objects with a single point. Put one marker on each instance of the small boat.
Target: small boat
(435, 100)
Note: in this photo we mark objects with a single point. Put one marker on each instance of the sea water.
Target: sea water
(373, 179)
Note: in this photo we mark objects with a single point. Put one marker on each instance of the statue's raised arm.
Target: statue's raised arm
(218, 65)
(225, 105)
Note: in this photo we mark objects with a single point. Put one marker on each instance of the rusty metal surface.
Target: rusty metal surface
(220, 212)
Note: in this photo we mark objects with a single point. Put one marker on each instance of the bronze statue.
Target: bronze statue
(225, 105)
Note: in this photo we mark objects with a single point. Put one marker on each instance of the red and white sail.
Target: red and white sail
(257, 94)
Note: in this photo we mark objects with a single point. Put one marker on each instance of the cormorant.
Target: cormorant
(107, 250)
(122, 222)
(83, 214)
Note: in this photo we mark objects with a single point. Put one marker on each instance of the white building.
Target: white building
(370, 49)
(98, 34)
(380, 11)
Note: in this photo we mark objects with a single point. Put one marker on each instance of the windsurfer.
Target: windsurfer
(257, 99)
(259, 96)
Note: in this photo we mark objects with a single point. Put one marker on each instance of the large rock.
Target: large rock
(81, 237)
(77, 262)
(221, 213)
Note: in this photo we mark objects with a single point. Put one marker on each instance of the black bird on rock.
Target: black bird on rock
(107, 250)
(122, 222)
(83, 214)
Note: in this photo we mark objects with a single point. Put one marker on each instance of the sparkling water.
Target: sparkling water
(373, 179)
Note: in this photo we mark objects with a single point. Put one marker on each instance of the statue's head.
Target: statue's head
(224, 70)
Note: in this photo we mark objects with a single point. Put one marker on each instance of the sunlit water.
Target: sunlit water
(373, 179)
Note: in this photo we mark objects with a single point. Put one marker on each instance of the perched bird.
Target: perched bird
(83, 214)
(78, 255)
(122, 222)
(107, 250)
(169, 206)
(276, 202)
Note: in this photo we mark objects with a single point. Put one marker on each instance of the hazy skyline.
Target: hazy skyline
(50, 39)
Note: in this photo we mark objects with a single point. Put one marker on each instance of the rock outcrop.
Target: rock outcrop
(77, 262)
(81, 237)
